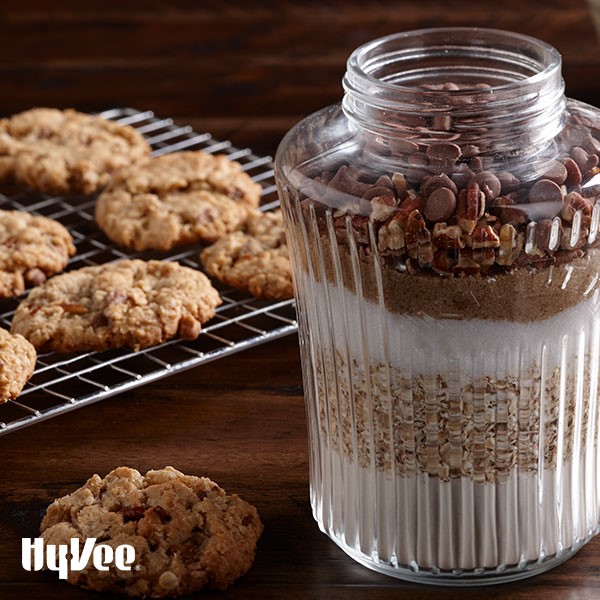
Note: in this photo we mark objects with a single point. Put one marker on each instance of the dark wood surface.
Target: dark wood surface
(245, 71)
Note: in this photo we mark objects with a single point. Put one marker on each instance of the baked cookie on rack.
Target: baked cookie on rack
(178, 198)
(17, 363)
(32, 248)
(65, 151)
(254, 260)
(130, 303)
(187, 533)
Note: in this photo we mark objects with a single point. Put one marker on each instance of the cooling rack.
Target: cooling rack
(61, 382)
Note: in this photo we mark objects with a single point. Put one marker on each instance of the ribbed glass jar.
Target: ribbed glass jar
(443, 228)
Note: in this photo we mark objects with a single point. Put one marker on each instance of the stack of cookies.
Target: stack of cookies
(143, 203)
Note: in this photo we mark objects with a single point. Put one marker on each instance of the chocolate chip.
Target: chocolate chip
(386, 181)
(573, 172)
(417, 159)
(508, 182)
(581, 157)
(437, 181)
(442, 123)
(591, 144)
(545, 190)
(556, 172)
(440, 205)
(470, 150)
(444, 153)
(462, 176)
(343, 181)
(375, 191)
(403, 147)
(489, 184)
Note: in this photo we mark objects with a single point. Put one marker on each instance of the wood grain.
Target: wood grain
(245, 71)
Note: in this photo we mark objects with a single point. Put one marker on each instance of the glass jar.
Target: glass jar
(443, 229)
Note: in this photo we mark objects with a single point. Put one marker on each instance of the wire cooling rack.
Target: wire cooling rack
(65, 382)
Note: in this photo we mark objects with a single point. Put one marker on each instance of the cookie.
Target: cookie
(17, 362)
(255, 260)
(32, 249)
(132, 303)
(61, 151)
(186, 531)
(178, 198)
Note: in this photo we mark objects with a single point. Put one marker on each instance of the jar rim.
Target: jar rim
(549, 59)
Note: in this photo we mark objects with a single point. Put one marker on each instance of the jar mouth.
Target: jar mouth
(479, 61)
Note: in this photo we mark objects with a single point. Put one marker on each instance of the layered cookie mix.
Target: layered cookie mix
(17, 363)
(188, 534)
(65, 151)
(454, 338)
(130, 303)
(32, 248)
(178, 198)
(255, 259)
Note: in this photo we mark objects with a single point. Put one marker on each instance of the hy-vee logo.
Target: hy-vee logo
(67, 557)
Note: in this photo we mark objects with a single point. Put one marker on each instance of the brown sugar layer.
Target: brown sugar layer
(521, 295)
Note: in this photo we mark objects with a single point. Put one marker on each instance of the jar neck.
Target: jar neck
(493, 89)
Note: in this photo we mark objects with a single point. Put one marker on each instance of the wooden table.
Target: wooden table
(244, 73)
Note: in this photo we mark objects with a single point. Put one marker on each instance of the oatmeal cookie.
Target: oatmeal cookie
(17, 362)
(32, 249)
(131, 303)
(61, 151)
(178, 198)
(255, 260)
(186, 531)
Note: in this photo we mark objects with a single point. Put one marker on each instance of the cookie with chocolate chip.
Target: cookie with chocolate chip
(32, 248)
(187, 533)
(130, 303)
(65, 151)
(255, 260)
(17, 363)
(174, 199)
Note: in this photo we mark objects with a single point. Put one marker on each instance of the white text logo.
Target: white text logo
(67, 557)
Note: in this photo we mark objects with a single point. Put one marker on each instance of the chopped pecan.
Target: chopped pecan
(466, 265)
(470, 207)
(400, 183)
(548, 234)
(447, 236)
(382, 207)
(74, 308)
(484, 237)
(444, 262)
(485, 257)
(511, 245)
(390, 237)
(574, 202)
(410, 201)
(418, 239)
(133, 513)
(360, 229)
